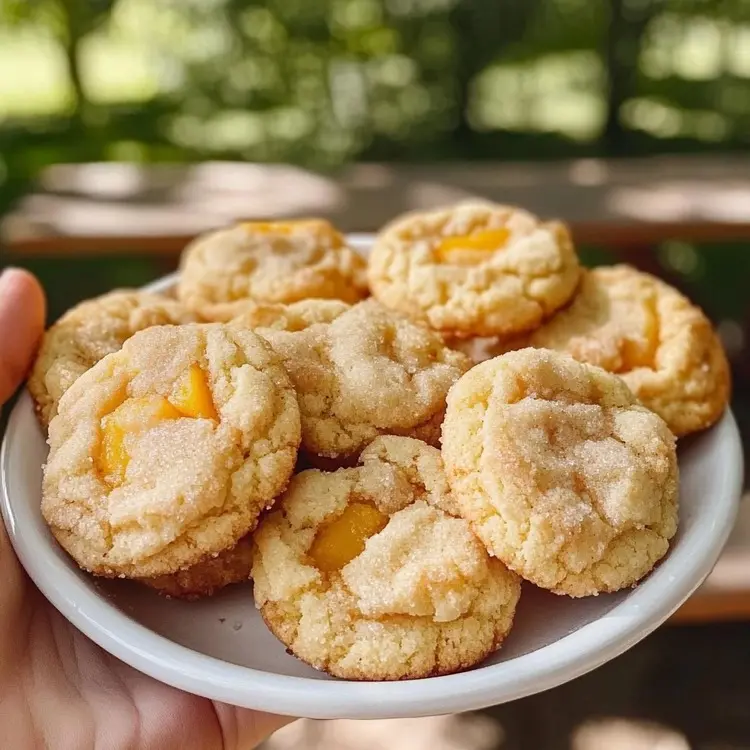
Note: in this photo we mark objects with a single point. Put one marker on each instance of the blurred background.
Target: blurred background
(322, 83)
(127, 126)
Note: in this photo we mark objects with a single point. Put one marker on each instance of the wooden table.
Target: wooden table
(628, 205)
(109, 207)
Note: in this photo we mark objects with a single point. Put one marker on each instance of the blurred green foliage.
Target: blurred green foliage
(321, 83)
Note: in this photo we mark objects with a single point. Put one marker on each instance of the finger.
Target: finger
(22, 312)
(243, 729)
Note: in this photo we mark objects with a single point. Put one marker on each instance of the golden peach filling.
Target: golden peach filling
(471, 249)
(340, 541)
(634, 350)
(192, 395)
(645, 354)
(268, 227)
(321, 229)
(191, 398)
(132, 416)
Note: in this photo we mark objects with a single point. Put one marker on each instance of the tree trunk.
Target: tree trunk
(613, 135)
(462, 134)
(72, 48)
(622, 49)
(481, 30)
(72, 60)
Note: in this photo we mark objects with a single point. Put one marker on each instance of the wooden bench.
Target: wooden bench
(630, 206)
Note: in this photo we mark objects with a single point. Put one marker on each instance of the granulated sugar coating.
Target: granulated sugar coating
(276, 262)
(662, 345)
(475, 269)
(90, 331)
(294, 317)
(563, 474)
(367, 372)
(150, 499)
(233, 565)
(421, 598)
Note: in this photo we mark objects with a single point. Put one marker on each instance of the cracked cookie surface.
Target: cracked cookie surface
(562, 473)
(294, 317)
(363, 573)
(664, 347)
(366, 373)
(90, 331)
(476, 269)
(277, 262)
(165, 452)
(233, 565)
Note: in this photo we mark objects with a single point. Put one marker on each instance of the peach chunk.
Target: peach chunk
(192, 395)
(266, 227)
(470, 249)
(343, 539)
(642, 351)
(132, 416)
(318, 227)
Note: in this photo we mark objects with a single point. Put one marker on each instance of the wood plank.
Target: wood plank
(111, 207)
(725, 607)
(640, 238)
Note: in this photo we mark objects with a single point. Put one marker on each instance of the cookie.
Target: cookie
(363, 572)
(90, 331)
(663, 346)
(480, 349)
(366, 373)
(164, 453)
(209, 576)
(294, 317)
(281, 262)
(563, 475)
(476, 269)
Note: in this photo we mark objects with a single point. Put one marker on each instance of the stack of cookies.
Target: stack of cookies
(311, 420)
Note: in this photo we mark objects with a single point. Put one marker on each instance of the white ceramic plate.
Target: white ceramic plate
(219, 648)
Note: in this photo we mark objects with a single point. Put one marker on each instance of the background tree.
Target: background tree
(68, 22)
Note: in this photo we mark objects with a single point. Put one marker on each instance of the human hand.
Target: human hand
(57, 688)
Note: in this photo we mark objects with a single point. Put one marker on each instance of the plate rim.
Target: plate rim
(569, 657)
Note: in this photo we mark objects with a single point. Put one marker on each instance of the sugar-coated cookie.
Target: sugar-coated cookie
(233, 565)
(367, 372)
(296, 316)
(476, 269)
(364, 573)
(90, 331)
(282, 261)
(663, 346)
(563, 475)
(164, 453)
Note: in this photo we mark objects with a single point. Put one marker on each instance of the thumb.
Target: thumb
(22, 313)
(21, 325)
